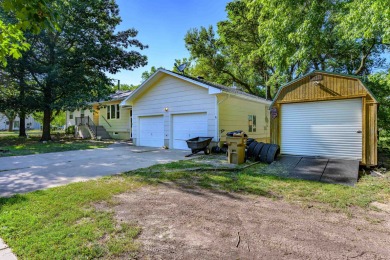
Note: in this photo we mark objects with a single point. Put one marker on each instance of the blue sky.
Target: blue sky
(162, 25)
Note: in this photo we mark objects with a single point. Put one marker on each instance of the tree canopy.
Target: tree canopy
(265, 43)
(379, 84)
(66, 68)
(32, 15)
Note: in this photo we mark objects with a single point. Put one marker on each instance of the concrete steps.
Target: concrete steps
(102, 132)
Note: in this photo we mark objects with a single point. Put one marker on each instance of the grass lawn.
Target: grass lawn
(13, 145)
(64, 222)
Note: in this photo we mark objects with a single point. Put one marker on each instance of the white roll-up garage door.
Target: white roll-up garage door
(327, 128)
(151, 131)
(187, 126)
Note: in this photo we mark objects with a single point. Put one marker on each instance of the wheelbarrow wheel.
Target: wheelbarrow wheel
(207, 151)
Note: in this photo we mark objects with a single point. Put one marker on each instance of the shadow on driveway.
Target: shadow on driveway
(22, 174)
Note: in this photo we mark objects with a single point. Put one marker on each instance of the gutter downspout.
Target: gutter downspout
(218, 134)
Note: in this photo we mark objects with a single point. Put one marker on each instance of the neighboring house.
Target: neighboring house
(106, 118)
(326, 114)
(30, 123)
(169, 108)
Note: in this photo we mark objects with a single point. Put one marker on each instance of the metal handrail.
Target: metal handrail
(106, 121)
(87, 121)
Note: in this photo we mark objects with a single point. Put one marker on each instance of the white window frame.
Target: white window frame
(113, 111)
(252, 123)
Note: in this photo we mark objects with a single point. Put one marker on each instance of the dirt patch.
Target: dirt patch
(180, 223)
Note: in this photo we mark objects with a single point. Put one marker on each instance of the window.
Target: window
(70, 115)
(82, 112)
(16, 124)
(113, 111)
(251, 123)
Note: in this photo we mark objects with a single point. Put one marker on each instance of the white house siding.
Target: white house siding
(30, 123)
(234, 112)
(179, 97)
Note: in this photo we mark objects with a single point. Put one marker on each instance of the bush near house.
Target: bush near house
(70, 130)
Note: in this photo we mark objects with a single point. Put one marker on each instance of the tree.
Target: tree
(22, 104)
(146, 74)
(216, 61)
(56, 121)
(266, 43)
(126, 87)
(314, 38)
(8, 98)
(68, 66)
(32, 15)
(379, 84)
(10, 115)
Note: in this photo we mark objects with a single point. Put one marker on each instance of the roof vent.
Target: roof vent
(316, 79)
(200, 77)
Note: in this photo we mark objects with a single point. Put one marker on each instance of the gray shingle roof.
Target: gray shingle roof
(118, 95)
(219, 86)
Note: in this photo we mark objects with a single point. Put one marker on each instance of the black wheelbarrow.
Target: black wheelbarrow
(199, 144)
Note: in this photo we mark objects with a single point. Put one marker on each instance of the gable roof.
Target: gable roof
(323, 73)
(213, 88)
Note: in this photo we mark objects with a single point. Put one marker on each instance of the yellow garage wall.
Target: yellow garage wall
(120, 126)
(234, 112)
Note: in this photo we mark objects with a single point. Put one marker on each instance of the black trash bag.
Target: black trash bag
(237, 132)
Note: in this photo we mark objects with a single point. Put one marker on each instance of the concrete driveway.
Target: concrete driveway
(20, 174)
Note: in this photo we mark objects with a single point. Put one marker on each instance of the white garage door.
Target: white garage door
(186, 126)
(327, 128)
(151, 131)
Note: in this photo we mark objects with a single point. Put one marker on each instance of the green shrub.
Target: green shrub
(70, 130)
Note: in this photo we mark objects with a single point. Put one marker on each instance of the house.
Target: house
(328, 115)
(30, 123)
(105, 118)
(169, 108)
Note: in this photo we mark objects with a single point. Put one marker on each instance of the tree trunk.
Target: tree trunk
(46, 136)
(22, 121)
(11, 125)
(22, 114)
(268, 94)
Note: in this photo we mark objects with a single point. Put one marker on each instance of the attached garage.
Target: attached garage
(151, 131)
(187, 126)
(170, 108)
(326, 115)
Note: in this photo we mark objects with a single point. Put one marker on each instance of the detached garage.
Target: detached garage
(170, 108)
(327, 115)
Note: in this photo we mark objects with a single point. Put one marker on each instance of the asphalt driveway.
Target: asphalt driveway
(20, 174)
